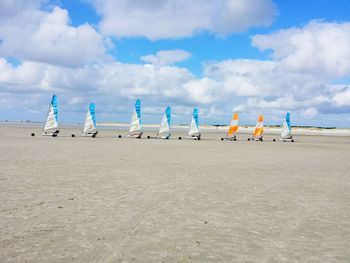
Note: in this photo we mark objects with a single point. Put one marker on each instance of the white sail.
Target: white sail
(286, 129)
(90, 121)
(164, 129)
(135, 125)
(51, 120)
(194, 129)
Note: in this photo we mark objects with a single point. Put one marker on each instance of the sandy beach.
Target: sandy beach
(127, 200)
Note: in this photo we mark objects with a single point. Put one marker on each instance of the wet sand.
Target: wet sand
(127, 200)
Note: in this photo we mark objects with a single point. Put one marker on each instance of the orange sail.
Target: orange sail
(259, 129)
(233, 126)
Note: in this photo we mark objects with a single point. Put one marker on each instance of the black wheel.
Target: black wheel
(274, 140)
(33, 134)
(119, 136)
(180, 138)
(235, 139)
(248, 139)
(54, 135)
(167, 138)
(261, 139)
(292, 140)
(199, 138)
(222, 139)
(73, 135)
(148, 137)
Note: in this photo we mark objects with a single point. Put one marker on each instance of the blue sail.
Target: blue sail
(168, 115)
(138, 109)
(195, 116)
(54, 105)
(194, 127)
(288, 120)
(92, 112)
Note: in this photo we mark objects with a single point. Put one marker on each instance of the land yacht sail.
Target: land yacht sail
(135, 129)
(194, 132)
(51, 124)
(286, 133)
(259, 129)
(90, 122)
(164, 129)
(232, 130)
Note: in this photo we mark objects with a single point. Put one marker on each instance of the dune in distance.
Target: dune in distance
(268, 129)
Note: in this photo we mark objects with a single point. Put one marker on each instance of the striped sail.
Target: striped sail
(90, 120)
(286, 129)
(259, 129)
(135, 125)
(52, 115)
(233, 126)
(194, 128)
(164, 129)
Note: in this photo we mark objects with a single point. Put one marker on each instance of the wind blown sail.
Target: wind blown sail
(194, 128)
(286, 129)
(259, 129)
(233, 127)
(52, 117)
(164, 129)
(90, 121)
(135, 125)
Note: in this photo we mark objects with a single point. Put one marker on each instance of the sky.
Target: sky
(223, 56)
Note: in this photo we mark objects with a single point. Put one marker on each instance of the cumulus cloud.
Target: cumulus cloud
(9, 8)
(260, 78)
(167, 57)
(318, 48)
(159, 19)
(342, 98)
(110, 84)
(203, 91)
(41, 36)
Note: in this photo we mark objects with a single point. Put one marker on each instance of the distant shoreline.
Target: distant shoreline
(269, 129)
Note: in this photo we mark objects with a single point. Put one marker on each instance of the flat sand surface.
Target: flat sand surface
(127, 200)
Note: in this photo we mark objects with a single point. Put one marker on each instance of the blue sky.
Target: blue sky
(206, 46)
(222, 56)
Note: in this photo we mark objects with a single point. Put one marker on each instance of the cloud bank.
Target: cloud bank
(163, 19)
(303, 75)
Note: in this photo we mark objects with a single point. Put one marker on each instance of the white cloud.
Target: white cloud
(160, 19)
(9, 8)
(47, 37)
(310, 112)
(342, 98)
(260, 78)
(203, 90)
(167, 57)
(113, 86)
(319, 48)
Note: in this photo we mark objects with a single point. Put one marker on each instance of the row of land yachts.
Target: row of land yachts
(135, 131)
